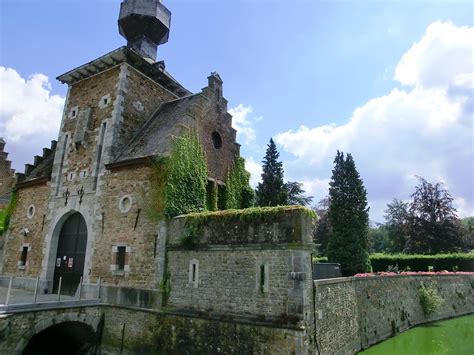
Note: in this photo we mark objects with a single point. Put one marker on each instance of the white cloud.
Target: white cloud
(426, 130)
(29, 114)
(242, 122)
(255, 170)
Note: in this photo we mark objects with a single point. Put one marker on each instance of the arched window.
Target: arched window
(216, 140)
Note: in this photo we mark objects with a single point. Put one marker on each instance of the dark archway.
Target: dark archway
(71, 253)
(63, 338)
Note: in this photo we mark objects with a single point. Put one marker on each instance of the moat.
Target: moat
(454, 336)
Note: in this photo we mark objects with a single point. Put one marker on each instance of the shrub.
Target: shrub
(430, 300)
(415, 262)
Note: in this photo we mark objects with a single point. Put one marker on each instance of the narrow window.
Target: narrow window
(262, 278)
(60, 172)
(120, 261)
(194, 273)
(216, 140)
(99, 155)
(24, 256)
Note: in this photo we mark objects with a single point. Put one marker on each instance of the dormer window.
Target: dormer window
(216, 140)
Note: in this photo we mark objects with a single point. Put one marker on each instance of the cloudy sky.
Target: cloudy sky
(389, 81)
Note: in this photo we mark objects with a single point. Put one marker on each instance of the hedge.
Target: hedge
(416, 262)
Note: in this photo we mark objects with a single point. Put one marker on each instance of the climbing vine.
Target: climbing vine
(186, 180)
(238, 193)
(10, 209)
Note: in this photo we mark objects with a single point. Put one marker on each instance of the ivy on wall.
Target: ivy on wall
(238, 193)
(186, 177)
(6, 215)
(179, 183)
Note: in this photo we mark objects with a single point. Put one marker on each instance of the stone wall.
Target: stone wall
(354, 313)
(259, 268)
(132, 227)
(143, 96)
(29, 216)
(155, 333)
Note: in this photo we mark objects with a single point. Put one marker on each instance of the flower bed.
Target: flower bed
(413, 273)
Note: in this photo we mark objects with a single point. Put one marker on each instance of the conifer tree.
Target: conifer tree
(272, 191)
(349, 217)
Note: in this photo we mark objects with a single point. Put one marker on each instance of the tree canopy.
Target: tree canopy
(271, 190)
(433, 226)
(349, 217)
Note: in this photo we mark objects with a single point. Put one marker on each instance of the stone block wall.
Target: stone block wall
(148, 333)
(131, 226)
(354, 313)
(257, 269)
(29, 215)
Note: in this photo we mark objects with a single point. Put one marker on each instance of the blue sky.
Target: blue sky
(285, 64)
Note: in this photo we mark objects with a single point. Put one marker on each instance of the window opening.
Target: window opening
(24, 256)
(121, 258)
(262, 278)
(216, 140)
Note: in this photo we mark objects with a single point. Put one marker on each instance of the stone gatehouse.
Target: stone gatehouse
(82, 205)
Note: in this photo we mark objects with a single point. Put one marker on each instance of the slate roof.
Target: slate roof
(152, 138)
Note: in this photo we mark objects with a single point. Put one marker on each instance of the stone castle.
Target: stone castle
(135, 284)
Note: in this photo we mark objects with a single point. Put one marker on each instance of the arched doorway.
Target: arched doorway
(70, 257)
(63, 338)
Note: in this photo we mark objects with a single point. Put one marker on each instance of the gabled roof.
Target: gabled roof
(153, 138)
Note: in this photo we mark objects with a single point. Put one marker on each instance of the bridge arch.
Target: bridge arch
(73, 328)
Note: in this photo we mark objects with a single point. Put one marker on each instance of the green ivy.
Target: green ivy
(10, 209)
(185, 188)
(195, 221)
(211, 201)
(238, 193)
(430, 300)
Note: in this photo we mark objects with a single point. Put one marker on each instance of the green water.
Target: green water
(450, 337)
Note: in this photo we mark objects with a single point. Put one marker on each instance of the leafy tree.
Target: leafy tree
(271, 191)
(378, 239)
(433, 223)
(349, 217)
(396, 216)
(296, 194)
(467, 225)
(322, 229)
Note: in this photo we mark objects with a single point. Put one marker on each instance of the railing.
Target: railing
(20, 294)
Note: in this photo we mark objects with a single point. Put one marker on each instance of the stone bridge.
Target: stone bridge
(37, 330)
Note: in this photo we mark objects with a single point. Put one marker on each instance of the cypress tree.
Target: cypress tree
(272, 191)
(349, 217)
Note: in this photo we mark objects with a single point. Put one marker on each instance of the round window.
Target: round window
(216, 140)
(30, 212)
(125, 203)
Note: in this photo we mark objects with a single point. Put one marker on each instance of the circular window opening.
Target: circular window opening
(125, 204)
(30, 212)
(216, 140)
